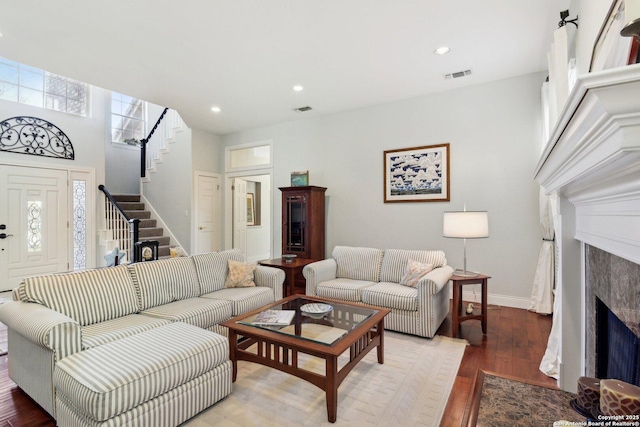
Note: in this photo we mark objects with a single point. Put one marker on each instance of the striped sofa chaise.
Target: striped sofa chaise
(372, 276)
(150, 332)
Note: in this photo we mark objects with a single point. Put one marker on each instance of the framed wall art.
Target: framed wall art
(251, 210)
(300, 179)
(418, 174)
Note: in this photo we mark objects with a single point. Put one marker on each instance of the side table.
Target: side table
(292, 270)
(459, 313)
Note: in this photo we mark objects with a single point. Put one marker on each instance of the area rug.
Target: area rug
(506, 401)
(411, 388)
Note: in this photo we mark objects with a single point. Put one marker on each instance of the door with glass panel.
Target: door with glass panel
(34, 236)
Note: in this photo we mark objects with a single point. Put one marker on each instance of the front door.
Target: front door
(33, 223)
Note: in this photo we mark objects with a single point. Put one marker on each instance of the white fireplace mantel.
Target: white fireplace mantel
(593, 160)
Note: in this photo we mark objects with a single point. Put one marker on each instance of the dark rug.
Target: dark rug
(508, 402)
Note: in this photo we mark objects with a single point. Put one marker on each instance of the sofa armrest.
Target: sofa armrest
(318, 272)
(43, 326)
(270, 277)
(436, 279)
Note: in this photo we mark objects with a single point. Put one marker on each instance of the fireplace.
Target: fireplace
(613, 316)
(590, 167)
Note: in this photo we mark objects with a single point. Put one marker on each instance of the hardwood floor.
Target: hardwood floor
(514, 345)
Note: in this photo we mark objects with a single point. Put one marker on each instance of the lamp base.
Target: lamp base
(464, 273)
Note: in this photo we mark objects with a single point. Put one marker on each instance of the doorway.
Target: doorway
(250, 215)
(34, 214)
(207, 237)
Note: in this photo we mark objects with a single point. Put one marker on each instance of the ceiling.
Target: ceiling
(246, 55)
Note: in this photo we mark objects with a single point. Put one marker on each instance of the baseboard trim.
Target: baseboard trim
(497, 299)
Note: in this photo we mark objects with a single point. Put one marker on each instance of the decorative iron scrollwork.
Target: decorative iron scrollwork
(34, 136)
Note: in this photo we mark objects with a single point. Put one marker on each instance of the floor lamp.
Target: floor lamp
(466, 225)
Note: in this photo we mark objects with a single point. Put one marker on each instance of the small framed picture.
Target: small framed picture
(251, 209)
(300, 179)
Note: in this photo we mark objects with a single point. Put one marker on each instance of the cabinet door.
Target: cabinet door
(295, 221)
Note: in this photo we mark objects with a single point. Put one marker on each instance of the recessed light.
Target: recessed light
(298, 88)
(216, 109)
(442, 50)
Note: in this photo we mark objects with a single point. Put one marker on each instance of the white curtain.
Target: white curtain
(543, 281)
(550, 360)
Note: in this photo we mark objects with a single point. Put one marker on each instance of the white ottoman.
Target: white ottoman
(160, 377)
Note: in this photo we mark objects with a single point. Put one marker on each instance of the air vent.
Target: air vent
(302, 109)
(457, 74)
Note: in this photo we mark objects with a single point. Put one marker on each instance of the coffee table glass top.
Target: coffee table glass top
(324, 322)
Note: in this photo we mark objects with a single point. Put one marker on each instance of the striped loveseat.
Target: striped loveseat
(76, 338)
(372, 276)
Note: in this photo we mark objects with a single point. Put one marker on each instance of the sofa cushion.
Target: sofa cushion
(391, 295)
(110, 379)
(243, 299)
(163, 281)
(88, 297)
(201, 312)
(358, 263)
(212, 268)
(343, 289)
(395, 261)
(115, 329)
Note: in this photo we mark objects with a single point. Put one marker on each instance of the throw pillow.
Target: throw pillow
(240, 275)
(414, 272)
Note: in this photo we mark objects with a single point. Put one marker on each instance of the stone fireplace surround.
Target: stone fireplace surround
(591, 168)
(616, 282)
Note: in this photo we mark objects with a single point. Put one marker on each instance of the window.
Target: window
(32, 86)
(79, 224)
(128, 119)
(255, 155)
(34, 226)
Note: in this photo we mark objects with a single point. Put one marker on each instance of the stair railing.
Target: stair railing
(143, 145)
(124, 230)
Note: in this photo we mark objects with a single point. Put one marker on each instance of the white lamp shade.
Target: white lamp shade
(466, 225)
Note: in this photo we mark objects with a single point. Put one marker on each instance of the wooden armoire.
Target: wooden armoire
(303, 221)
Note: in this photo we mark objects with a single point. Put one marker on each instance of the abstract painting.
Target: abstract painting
(419, 174)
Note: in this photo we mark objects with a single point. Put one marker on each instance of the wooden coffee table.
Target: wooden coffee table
(354, 327)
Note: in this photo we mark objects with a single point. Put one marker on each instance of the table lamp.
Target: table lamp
(466, 225)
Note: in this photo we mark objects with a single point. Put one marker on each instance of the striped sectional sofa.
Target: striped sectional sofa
(372, 276)
(139, 344)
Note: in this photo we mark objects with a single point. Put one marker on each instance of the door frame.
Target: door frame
(196, 205)
(228, 203)
(89, 174)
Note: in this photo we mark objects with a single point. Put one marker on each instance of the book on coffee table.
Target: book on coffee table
(274, 318)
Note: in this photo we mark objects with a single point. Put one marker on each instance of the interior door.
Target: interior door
(33, 223)
(208, 214)
(240, 215)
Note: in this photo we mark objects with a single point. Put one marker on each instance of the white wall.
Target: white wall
(205, 151)
(170, 190)
(494, 132)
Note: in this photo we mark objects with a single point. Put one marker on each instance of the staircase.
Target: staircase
(148, 230)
